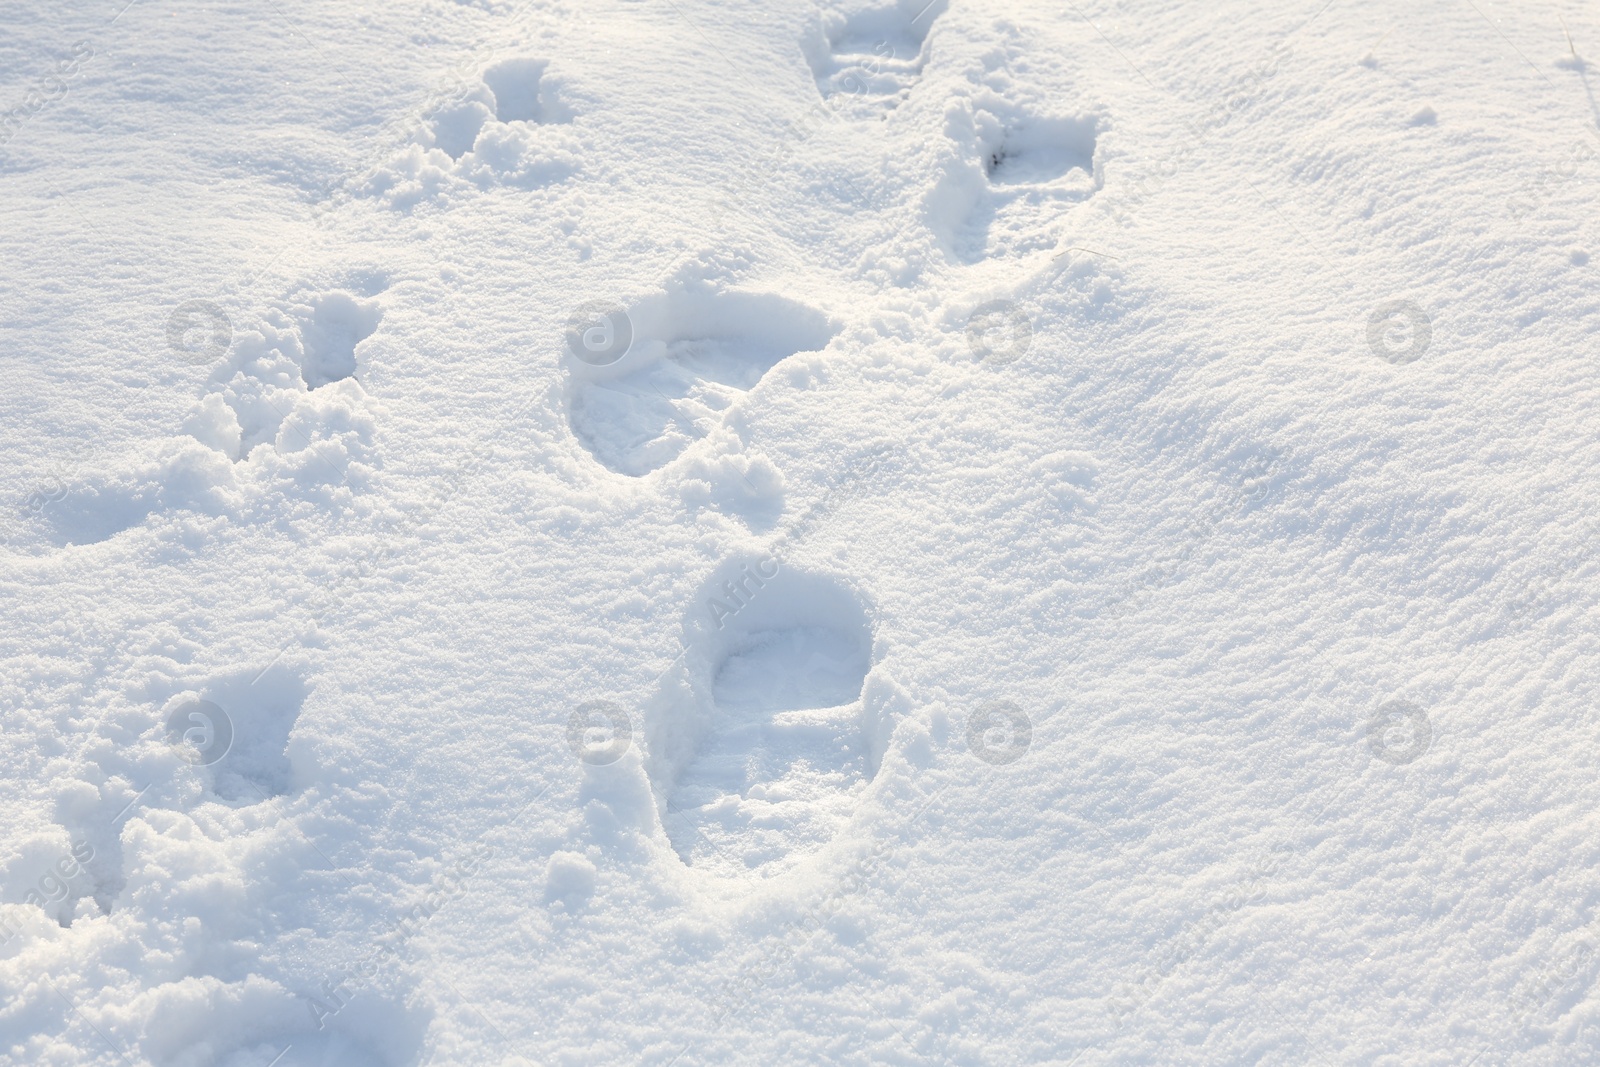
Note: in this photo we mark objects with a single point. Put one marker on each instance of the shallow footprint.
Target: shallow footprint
(509, 126)
(692, 356)
(875, 56)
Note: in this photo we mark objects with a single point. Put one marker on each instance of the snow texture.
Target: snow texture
(671, 532)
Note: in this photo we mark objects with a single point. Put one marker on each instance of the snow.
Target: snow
(673, 532)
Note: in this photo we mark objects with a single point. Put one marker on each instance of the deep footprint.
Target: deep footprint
(783, 759)
(1030, 170)
(1027, 150)
(693, 356)
(335, 324)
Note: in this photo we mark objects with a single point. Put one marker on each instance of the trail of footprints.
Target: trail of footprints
(763, 747)
(761, 744)
(756, 750)
(277, 374)
(1019, 168)
(261, 392)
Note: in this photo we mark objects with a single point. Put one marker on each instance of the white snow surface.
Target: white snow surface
(871, 531)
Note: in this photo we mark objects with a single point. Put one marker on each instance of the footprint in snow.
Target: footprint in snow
(762, 750)
(870, 61)
(1017, 171)
(662, 374)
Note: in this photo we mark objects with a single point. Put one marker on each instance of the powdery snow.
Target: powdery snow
(671, 532)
